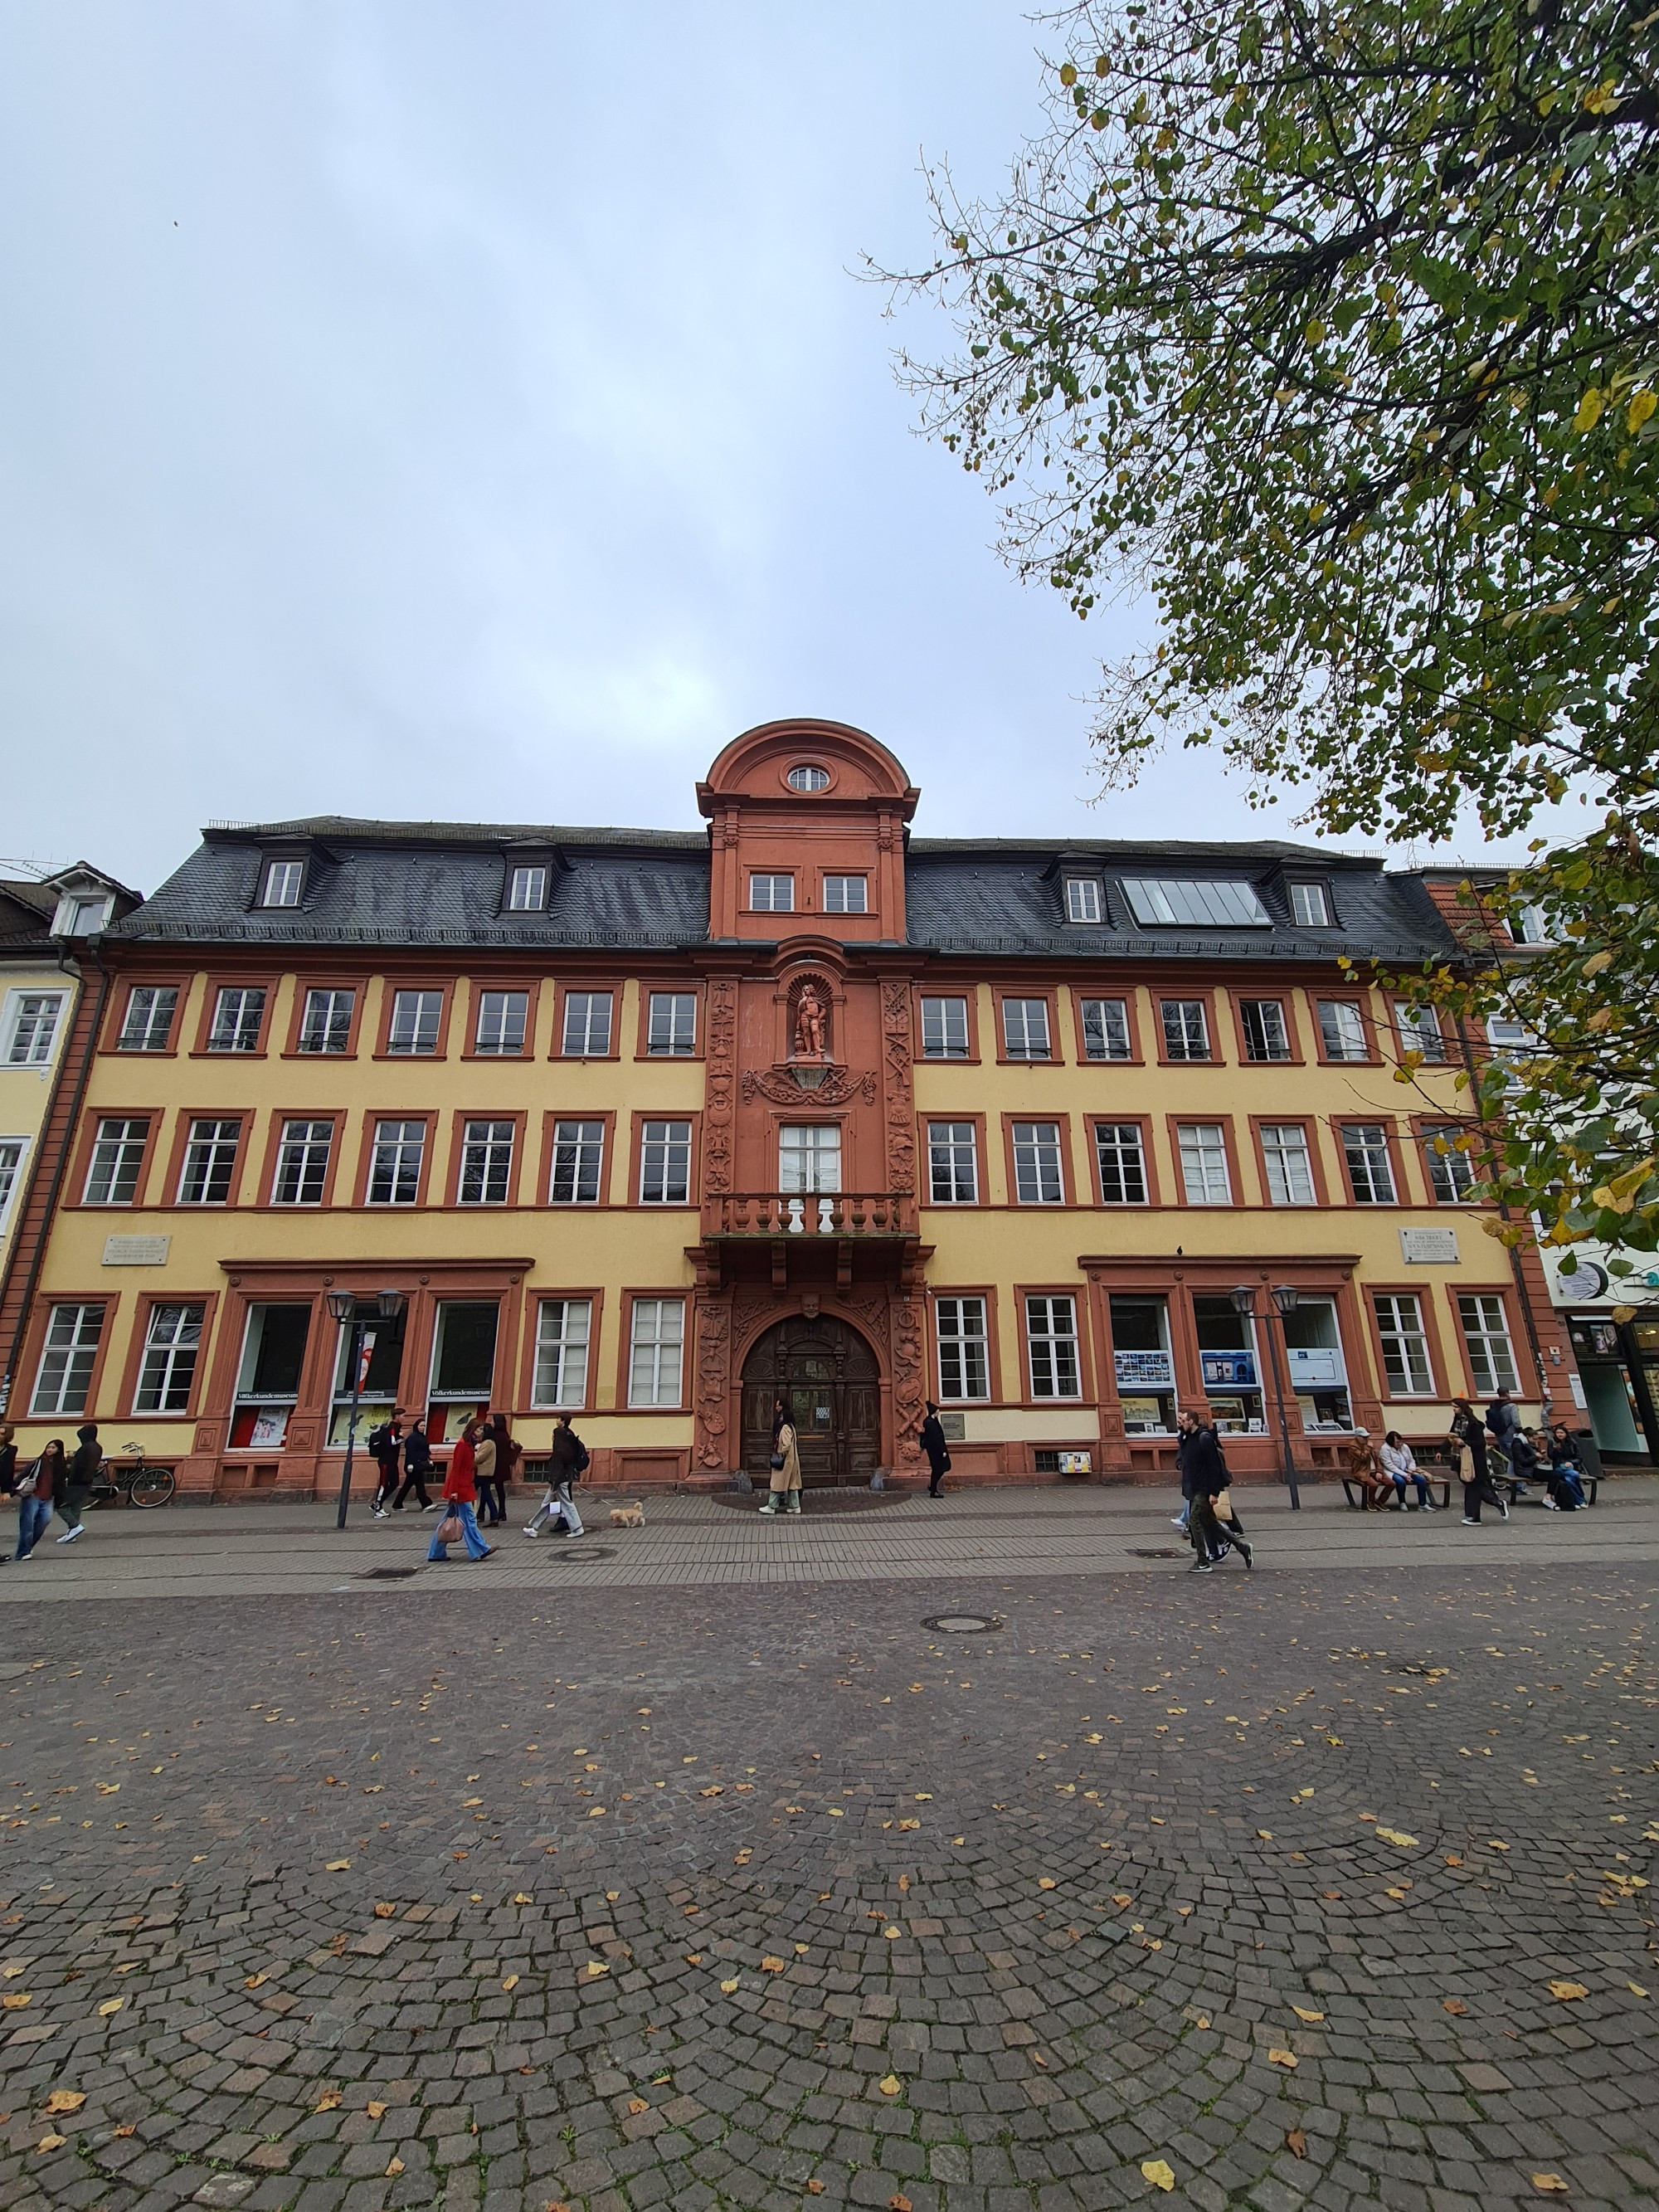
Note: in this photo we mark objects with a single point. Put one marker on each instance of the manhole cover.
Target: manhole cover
(962, 1624)
(388, 1574)
(1167, 1552)
(583, 1554)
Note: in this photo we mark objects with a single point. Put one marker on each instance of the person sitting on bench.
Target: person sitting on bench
(1397, 1463)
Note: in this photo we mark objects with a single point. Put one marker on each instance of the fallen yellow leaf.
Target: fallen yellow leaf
(889, 2085)
(110, 2005)
(394, 2166)
(595, 1968)
(328, 2102)
(15, 2000)
(1046, 1882)
(1296, 2142)
(52, 2142)
(1157, 2173)
(1568, 1991)
(729, 1989)
(694, 1958)
(385, 1911)
(1302, 2012)
(891, 1933)
(1455, 2005)
(770, 1965)
(1286, 2058)
(64, 2100)
(898, 2202)
(376, 2112)
(522, 1897)
(256, 1981)
(337, 1866)
(636, 2105)
(1551, 2184)
(1398, 1837)
(510, 1982)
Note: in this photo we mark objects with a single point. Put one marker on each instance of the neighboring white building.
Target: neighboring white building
(1617, 1360)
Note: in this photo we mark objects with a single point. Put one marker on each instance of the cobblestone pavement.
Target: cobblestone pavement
(689, 1542)
(1318, 1888)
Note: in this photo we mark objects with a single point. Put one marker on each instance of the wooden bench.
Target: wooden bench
(1509, 1485)
(1353, 1492)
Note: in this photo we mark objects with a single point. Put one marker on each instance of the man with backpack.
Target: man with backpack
(1203, 1479)
(568, 1463)
(417, 1465)
(386, 1445)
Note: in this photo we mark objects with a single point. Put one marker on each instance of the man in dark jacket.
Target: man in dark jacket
(82, 1471)
(568, 1463)
(417, 1465)
(1504, 1426)
(385, 1444)
(1203, 1479)
(930, 1437)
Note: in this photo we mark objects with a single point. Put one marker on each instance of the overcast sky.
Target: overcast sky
(473, 411)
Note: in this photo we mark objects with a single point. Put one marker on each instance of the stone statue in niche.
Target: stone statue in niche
(811, 1024)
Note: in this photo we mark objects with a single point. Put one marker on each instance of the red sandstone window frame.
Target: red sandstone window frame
(586, 987)
(115, 1020)
(693, 1200)
(629, 1299)
(367, 1116)
(81, 1158)
(968, 993)
(1129, 995)
(1309, 1124)
(279, 1116)
(185, 1117)
(1439, 1370)
(550, 1118)
(1181, 994)
(390, 988)
(1068, 1197)
(303, 986)
(1146, 1123)
(213, 983)
(34, 1345)
(1405, 1200)
(534, 1299)
(1360, 1002)
(137, 1338)
(1000, 992)
(988, 1291)
(476, 988)
(678, 986)
(981, 1159)
(461, 1115)
(1286, 1001)
(1078, 1292)
(1174, 1123)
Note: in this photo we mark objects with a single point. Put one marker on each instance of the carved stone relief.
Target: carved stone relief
(900, 1113)
(720, 1087)
(713, 1357)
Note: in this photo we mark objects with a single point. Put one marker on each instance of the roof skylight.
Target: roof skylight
(1208, 905)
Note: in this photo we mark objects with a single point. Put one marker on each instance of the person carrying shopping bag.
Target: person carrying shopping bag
(786, 1465)
(567, 1464)
(460, 1495)
(33, 1494)
(1469, 1434)
(486, 1457)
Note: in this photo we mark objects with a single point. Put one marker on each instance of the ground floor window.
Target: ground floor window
(1487, 1339)
(1319, 1373)
(1404, 1342)
(268, 1377)
(67, 1360)
(172, 1343)
(1142, 1366)
(1228, 1367)
(381, 1366)
(463, 1364)
(563, 1327)
(655, 1350)
(1051, 1341)
(964, 1363)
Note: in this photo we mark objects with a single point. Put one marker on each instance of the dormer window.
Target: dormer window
(526, 890)
(807, 775)
(83, 909)
(1311, 906)
(1205, 902)
(1531, 927)
(1082, 899)
(283, 882)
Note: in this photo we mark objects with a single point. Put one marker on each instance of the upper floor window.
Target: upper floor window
(303, 1158)
(1266, 1035)
(1531, 926)
(486, 1176)
(238, 1015)
(945, 1028)
(846, 893)
(148, 1022)
(1451, 1171)
(209, 1162)
(666, 1164)
(1082, 898)
(282, 883)
(82, 914)
(326, 1022)
(12, 1150)
(807, 775)
(416, 1017)
(1342, 1029)
(118, 1154)
(1203, 1164)
(586, 1025)
(772, 893)
(394, 1172)
(1025, 1028)
(1311, 906)
(1419, 1031)
(1288, 1162)
(670, 1029)
(1186, 1029)
(31, 1019)
(952, 1163)
(578, 1159)
(809, 1157)
(1370, 1172)
(526, 890)
(1120, 1153)
(1106, 1029)
(1039, 1178)
(1207, 905)
(502, 1017)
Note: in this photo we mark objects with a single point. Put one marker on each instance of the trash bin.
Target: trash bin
(1589, 1456)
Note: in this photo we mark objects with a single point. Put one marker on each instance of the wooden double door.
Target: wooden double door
(827, 1377)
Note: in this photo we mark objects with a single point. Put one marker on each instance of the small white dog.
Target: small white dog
(631, 1515)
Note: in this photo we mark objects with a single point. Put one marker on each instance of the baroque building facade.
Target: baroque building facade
(659, 1128)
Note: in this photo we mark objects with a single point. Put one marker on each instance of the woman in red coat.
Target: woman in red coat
(460, 1492)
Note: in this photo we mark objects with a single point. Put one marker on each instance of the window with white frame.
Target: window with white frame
(67, 1360)
(283, 881)
(1371, 1172)
(809, 1156)
(1106, 1029)
(953, 1164)
(578, 1163)
(770, 893)
(1532, 927)
(172, 1342)
(1419, 1031)
(118, 1154)
(846, 893)
(82, 914)
(1051, 1347)
(416, 1018)
(503, 1017)
(807, 775)
(395, 1163)
(1342, 1029)
(564, 1328)
(1039, 1179)
(326, 1021)
(486, 1164)
(1025, 1028)
(1082, 898)
(1266, 1033)
(239, 1014)
(31, 1019)
(1203, 1164)
(147, 1024)
(666, 1164)
(209, 1162)
(945, 1028)
(13, 1153)
(586, 1025)
(1407, 1370)
(655, 1351)
(1186, 1029)
(1487, 1339)
(527, 888)
(302, 1155)
(1311, 906)
(1451, 1172)
(671, 1024)
(1196, 904)
(1288, 1162)
(1121, 1151)
(964, 1353)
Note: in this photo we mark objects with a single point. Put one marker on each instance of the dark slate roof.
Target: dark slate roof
(25, 912)
(436, 882)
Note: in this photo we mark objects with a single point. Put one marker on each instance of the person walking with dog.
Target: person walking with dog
(567, 1464)
(785, 1496)
(460, 1497)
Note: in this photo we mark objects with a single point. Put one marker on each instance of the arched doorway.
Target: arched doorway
(828, 1379)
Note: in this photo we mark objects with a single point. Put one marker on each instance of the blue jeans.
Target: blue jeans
(32, 1516)
(1400, 1482)
(476, 1546)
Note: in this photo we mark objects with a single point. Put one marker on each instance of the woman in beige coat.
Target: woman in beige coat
(786, 1465)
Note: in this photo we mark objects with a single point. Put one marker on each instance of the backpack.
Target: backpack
(375, 1439)
(579, 1468)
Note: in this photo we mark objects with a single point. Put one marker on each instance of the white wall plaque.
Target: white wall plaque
(137, 1251)
(1438, 1246)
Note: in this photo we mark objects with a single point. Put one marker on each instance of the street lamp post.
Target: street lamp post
(343, 1304)
(1285, 1299)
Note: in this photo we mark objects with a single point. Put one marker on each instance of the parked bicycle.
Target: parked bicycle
(137, 1483)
